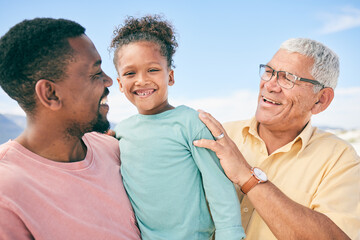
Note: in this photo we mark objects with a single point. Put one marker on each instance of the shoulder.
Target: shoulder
(188, 120)
(327, 138)
(234, 128)
(11, 151)
(335, 147)
(3, 149)
(126, 123)
(11, 169)
(5, 152)
(100, 138)
(189, 116)
(187, 111)
(236, 124)
(102, 141)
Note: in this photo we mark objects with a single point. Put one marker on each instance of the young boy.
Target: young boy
(167, 178)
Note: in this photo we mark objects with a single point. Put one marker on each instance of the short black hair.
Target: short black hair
(150, 28)
(33, 50)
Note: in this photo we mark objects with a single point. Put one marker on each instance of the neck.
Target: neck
(159, 109)
(275, 139)
(51, 142)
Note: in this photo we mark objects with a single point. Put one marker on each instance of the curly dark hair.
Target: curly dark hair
(33, 50)
(150, 28)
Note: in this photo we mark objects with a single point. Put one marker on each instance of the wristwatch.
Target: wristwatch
(257, 176)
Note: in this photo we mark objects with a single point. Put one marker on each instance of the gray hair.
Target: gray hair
(326, 66)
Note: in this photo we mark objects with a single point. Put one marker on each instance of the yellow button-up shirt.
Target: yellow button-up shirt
(317, 169)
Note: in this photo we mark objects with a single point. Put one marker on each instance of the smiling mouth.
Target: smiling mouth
(144, 92)
(270, 101)
(104, 100)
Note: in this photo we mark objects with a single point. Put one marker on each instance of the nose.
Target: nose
(107, 80)
(141, 79)
(272, 85)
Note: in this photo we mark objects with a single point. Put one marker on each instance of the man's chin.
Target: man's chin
(262, 118)
(101, 125)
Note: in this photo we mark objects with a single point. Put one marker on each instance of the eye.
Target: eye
(269, 71)
(153, 70)
(97, 75)
(130, 73)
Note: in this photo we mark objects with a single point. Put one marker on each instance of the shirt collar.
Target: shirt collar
(305, 135)
(251, 126)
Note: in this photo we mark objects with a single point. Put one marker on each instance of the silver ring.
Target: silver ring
(220, 136)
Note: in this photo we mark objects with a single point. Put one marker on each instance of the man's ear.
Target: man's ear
(46, 93)
(171, 78)
(325, 96)
(120, 85)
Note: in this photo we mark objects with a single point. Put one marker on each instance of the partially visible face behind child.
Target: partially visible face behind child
(144, 76)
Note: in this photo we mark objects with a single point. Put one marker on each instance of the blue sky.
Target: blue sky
(221, 44)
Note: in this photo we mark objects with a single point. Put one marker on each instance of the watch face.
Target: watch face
(260, 174)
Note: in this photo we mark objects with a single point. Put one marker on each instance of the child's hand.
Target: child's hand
(110, 133)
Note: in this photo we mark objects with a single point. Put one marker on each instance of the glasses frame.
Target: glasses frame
(315, 82)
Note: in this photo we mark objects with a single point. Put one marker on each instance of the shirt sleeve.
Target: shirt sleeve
(338, 195)
(11, 226)
(220, 192)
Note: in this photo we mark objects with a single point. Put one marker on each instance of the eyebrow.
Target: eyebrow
(281, 70)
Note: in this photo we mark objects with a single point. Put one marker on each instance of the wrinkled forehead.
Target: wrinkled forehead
(292, 62)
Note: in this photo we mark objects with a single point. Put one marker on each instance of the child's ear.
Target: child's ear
(325, 97)
(171, 78)
(48, 96)
(120, 85)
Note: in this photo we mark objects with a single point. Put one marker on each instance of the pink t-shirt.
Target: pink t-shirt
(44, 199)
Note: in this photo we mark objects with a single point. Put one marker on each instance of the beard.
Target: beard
(101, 125)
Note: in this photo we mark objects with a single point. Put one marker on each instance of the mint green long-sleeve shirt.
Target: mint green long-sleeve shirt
(168, 179)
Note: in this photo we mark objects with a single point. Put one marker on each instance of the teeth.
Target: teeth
(270, 101)
(104, 100)
(144, 93)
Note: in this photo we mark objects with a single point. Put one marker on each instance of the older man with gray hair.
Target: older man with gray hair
(294, 181)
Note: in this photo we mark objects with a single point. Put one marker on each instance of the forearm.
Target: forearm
(290, 220)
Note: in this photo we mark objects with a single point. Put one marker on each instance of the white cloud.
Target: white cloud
(349, 17)
(239, 105)
(344, 111)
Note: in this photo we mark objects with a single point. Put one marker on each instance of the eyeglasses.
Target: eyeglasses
(284, 79)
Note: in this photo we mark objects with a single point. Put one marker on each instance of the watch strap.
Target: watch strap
(246, 187)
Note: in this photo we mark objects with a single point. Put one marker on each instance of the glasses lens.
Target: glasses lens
(285, 79)
(265, 72)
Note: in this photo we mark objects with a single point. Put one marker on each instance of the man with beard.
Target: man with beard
(58, 180)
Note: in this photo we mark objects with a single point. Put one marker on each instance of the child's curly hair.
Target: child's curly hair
(150, 28)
